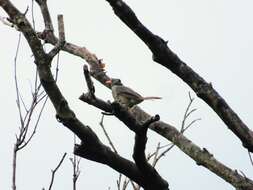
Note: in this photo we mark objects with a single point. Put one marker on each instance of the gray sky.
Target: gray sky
(213, 37)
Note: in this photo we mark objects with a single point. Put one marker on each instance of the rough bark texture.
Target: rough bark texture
(91, 147)
(164, 56)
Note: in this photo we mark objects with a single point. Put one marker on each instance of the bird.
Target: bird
(125, 95)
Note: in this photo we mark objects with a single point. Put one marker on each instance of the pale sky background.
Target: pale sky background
(213, 37)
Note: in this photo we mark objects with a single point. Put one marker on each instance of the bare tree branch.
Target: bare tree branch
(201, 156)
(107, 136)
(187, 114)
(99, 152)
(46, 15)
(166, 130)
(139, 157)
(164, 56)
(59, 45)
(75, 164)
(91, 147)
(90, 85)
(55, 170)
(250, 157)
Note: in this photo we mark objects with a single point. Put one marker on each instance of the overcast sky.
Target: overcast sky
(213, 37)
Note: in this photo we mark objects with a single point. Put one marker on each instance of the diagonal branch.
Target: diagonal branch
(67, 117)
(46, 15)
(91, 148)
(153, 180)
(166, 130)
(164, 56)
(55, 170)
(201, 156)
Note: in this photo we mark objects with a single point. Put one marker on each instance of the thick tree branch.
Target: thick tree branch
(91, 147)
(164, 129)
(153, 179)
(201, 156)
(148, 171)
(66, 116)
(46, 15)
(164, 56)
(96, 65)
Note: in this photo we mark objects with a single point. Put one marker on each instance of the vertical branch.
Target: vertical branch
(14, 165)
(75, 164)
(16, 82)
(59, 45)
(15, 148)
(33, 20)
(22, 139)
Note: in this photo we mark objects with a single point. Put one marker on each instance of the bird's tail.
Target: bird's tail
(151, 98)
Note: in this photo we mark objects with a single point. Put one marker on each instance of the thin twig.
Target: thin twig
(75, 164)
(101, 123)
(155, 154)
(187, 114)
(106, 134)
(36, 124)
(33, 20)
(190, 124)
(119, 182)
(16, 81)
(55, 170)
(163, 154)
(250, 158)
(15, 149)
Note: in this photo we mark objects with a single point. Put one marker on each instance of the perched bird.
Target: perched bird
(126, 96)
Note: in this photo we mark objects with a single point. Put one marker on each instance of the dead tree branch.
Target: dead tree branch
(55, 170)
(164, 56)
(76, 167)
(91, 148)
(139, 157)
(99, 152)
(164, 129)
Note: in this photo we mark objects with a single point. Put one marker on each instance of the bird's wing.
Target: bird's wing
(125, 91)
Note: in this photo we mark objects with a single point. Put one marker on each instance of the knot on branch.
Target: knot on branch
(203, 88)
(48, 36)
(64, 113)
(151, 120)
(142, 130)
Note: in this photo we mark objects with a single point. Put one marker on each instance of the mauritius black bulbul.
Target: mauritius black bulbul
(126, 96)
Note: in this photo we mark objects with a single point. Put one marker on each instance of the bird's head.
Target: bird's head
(113, 82)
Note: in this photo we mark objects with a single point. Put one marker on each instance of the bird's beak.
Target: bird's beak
(108, 81)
